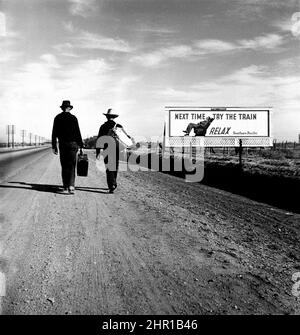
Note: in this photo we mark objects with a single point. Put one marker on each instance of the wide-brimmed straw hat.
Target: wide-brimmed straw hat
(110, 114)
(65, 104)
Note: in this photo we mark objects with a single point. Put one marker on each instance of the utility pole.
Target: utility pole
(13, 131)
(23, 134)
(8, 133)
(30, 136)
(35, 139)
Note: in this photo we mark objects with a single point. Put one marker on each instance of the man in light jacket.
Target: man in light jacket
(106, 130)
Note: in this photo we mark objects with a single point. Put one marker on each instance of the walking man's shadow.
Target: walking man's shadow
(50, 188)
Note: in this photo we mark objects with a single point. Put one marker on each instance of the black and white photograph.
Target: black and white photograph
(149, 160)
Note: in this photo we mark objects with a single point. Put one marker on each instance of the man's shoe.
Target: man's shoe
(111, 190)
(71, 190)
(64, 191)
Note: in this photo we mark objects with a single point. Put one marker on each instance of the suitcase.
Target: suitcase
(82, 164)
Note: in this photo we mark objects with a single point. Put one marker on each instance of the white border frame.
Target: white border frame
(206, 141)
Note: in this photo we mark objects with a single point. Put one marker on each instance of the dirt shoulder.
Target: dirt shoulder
(158, 245)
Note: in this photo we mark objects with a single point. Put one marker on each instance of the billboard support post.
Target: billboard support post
(240, 154)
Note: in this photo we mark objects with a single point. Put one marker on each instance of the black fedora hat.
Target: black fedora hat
(110, 114)
(65, 104)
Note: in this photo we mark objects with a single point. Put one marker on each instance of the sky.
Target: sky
(138, 56)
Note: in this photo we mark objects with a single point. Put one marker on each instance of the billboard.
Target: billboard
(218, 126)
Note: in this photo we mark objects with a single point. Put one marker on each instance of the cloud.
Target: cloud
(63, 47)
(69, 27)
(245, 75)
(290, 64)
(268, 3)
(84, 8)
(249, 86)
(123, 82)
(143, 28)
(2, 25)
(50, 61)
(207, 47)
(29, 95)
(37, 79)
(7, 42)
(214, 46)
(252, 85)
(270, 41)
(251, 10)
(45, 82)
(156, 57)
(8, 56)
(284, 25)
(87, 40)
(290, 24)
(91, 67)
(66, 50)
(92, 41)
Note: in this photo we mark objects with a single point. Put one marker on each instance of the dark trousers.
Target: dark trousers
(67, 155)
(112, 171)
(111, 178)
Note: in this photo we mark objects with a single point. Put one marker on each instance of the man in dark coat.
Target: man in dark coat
(199, 128)
(66, 130)
(106, 130)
